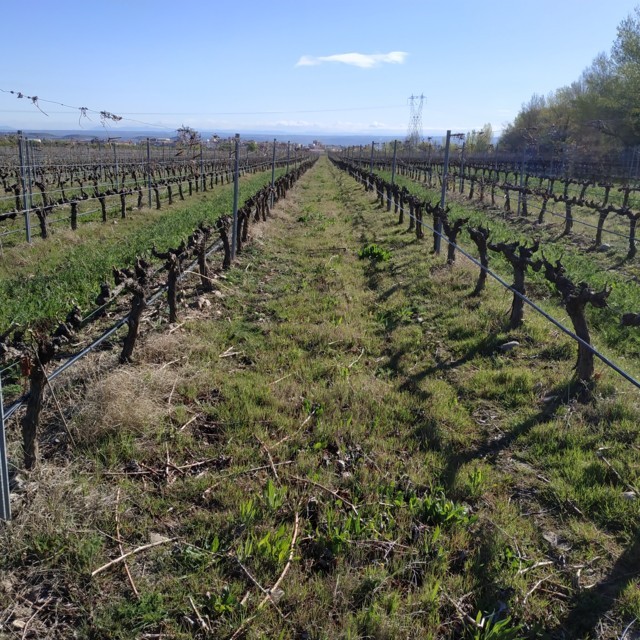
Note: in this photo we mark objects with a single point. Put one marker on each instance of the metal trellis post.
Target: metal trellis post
(25, 142)
(5, 503)
(202, 176)
(234, 234)
(462, 167)
(115, 161)
(149, 171)
(23, 186)
(273, 171)
(524, 151)
(443, 193)
(393, 165)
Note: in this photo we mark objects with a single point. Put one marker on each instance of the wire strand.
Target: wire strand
(527, 301)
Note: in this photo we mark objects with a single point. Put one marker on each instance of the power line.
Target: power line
(108, 116)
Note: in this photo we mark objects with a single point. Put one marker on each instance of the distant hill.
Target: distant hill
(259, 136)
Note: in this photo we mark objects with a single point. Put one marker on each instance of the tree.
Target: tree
(626, 48)
(601, 110)
(625, 54)
(480, 141)
(188, 137)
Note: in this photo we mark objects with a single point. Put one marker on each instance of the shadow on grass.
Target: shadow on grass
(559, 395)
(383, 297)
(590, 605)
(620, 262)
(484, 347)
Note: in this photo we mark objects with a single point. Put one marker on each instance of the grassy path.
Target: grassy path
(349, 432)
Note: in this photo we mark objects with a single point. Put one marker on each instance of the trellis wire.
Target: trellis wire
(528, 301)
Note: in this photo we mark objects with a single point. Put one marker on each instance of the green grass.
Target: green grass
(596, 268)
(45, 280)
(437, 483)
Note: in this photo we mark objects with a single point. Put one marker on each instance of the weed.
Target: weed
(475, 482)
(498, 630)
(248, 511)
(374, 253)
(223, 604)
(436, 509)
(274, 496)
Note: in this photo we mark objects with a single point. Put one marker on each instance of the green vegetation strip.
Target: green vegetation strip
(45, 280)
(338, 449)
(595, 268)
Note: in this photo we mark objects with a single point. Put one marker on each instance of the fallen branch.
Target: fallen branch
(257, 584)
(134, 552)
(229, 353)
(203, 625)
(357, 359)
(535, 586)
(465, 616)
(629, 486)
(191, 465)
(298, 430)
(534, 566)
(289, 560)
(266, 450)
(119, 539)
(280, 379)
(269, 597)
(37, 611)
(188, 422)
(335, 494)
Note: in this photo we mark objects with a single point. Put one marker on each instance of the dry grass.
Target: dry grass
(132, 401)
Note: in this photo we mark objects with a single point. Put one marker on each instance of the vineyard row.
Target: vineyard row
(46, 347)
(575, 297)
(40, 188)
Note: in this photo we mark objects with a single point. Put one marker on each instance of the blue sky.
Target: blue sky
(282, 65)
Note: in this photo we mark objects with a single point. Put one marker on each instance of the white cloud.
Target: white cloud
(362, 60)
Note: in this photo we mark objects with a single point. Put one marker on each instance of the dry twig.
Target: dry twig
(335, 494)
(241, 473)
(266, 450)
(135, 551)
(269, 597)
(119, 539)
(203, 625)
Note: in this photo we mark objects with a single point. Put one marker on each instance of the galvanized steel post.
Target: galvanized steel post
(115, 161)
(273, 171)
(393, 165)
(149, 172)
(5, 503)
(524, 151)
(288, 154)
(23, 186)
(29, 172)
(234, 233)
(204, 178)
(443, 194)
(393, 178)
(462, 167)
